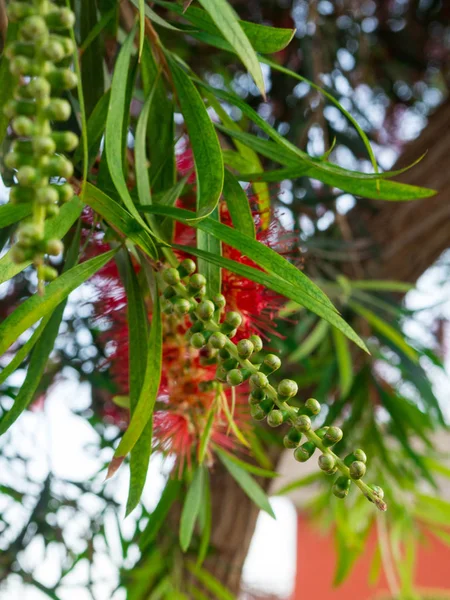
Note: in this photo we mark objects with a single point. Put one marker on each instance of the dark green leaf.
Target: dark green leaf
(205, 519)
(12, 213)
(92, 57)
(95, 129)
(30, 311)
(248, 484)
(203, 139)
(191, 508)
(344, 360)
(212, 272)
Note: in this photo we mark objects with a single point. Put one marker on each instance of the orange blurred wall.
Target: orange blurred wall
(316, 560)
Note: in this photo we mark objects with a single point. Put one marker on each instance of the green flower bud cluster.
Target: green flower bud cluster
(212, 331)
(40, 59)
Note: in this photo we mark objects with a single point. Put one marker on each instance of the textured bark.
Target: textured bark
(409, 237)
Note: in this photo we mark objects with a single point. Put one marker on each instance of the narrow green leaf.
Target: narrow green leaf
(41, 351)
(254, 469)
(206, 433)
(300, 483)
(203, 139)
(210, 582)
(115, 123)
(95, 31)
(55, 227)
(153, 16)
(158, 516)
(138, 355)
(376, 285)
(248, 484)
(30, 311)
(205, 519)
(309, 344)
(227, 22)
(147, 397)
(92, 76)
(119, 219)
(95, 129)
(212, 272)
(142, 178)
(191, 508)
(344, 360)
(12, 213)
(238, 205)
(385, 330)
(141, 26)
(281, 287)
(263, 38)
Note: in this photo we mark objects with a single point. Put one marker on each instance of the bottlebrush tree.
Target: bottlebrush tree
(153, 182)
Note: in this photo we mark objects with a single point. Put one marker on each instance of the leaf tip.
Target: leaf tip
(114, 466)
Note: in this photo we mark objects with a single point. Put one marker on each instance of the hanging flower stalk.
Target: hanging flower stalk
(39, 59)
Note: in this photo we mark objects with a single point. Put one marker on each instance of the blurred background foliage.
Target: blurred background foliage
(388, 64)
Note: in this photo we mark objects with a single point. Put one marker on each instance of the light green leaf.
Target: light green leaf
(147, 397)
(376, 285)
(238, 205)
(212, 272)
(385, 330)
(30, 311)
(95, 129)
(209, 582)
(114, 124)
(12, 213)
(191, 508)
(206, 433)
(153, 16)
(300, 483)
(205, 520)
(253, 490)
(227, 22)
(142, 178)
(263, 38)
(55, 227)
(254, 469)
(41, 352)
(344, 360)
(141, 26)
(309, 344)
(119, 219)
(204, 142)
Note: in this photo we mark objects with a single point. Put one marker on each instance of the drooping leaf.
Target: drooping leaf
(30, 311)
(191, 508)
(205, 520)
(310, 343)
(254, 469)
(147, 397)
(92, 77)
(238, 205)
(119, 219)
(41, 351)
(227, 21)
(204, 142)
(344, 360)
(158, 516)
(248, 484)
(55, 227)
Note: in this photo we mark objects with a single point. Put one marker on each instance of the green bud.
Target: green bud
(357, 469)
(171, 276)
(169, 292)
(13, 108)
(218, 340)
(332, 436)
(252, 400)
(321, 432)
(62, 79)
(221, 374)
(245, 348)
(292, 438)
(65, 192)
(377, 490)
(220, 301)
(197, 281)
(53, 51)
(47, 273)
(43, 145)
(19, 254)
(234, 377)
(304, 452)
(181, 306)
(59, 166)
(257, 343)
(287, 388)
(58, 110)
(327, 463)
(21, 195)
(258, 394)
(341, 487)
(257, 413)
(312, 407)
(40, 88)
(27, 176)
(20, 65)
(259, 380)
(51, 210)
(205, 310)
(186, 267)
(267, 405)
(275, 418)
(60, 18)
(54, 247)
(26, 49)
(303, 423)
(230, 363)
(270, 364)
(233, 319)
(65, 141)
(17, 11)
(47, 195)
(198, 341)
(23, 126)
(33, 28)
(360, 455)
(29, 235)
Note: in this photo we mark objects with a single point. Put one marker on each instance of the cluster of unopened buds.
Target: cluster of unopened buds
(212, 331)
(40, 59)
